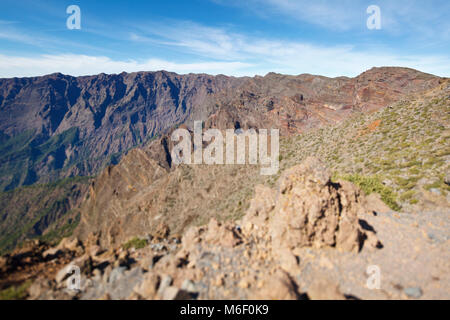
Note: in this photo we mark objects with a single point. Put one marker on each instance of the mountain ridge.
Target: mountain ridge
(114, 113)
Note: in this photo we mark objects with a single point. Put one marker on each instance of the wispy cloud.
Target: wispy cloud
(197, 48)
(11, 34)
(416, 18)
(76, 65)
(291, 57)
(4, 22)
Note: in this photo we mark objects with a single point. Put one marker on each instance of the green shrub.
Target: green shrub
(15, 293)
(408, 195)
(135, 243)
(373, 184)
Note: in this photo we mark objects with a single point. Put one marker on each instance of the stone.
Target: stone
(219, 281)
(324, 289)
(287, 260)
(222, 234)
(436, 191)
(279, 286)
(311, 211)
(447, 179)
(73, 245)
(63, 274)
(188, 286)
(413, 292)
(162, 231)
(166, 281)
(95, 250)
(116, 274)
(147, 289)
(38, 288)
(158, 246)
(97, 274)
(173, 293)
(257, 216)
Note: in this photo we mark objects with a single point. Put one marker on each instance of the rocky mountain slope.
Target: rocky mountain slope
(287, 246)
(58, 126)
(45, 211)
(149, 229)
(400, 152)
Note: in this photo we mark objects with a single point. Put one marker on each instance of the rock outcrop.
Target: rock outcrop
(288, 246)
(309, 210)
(313, 211)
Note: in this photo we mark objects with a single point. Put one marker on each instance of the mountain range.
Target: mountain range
(60, 126)
(363, 177)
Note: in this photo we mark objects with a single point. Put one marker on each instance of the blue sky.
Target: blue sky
(232, 37)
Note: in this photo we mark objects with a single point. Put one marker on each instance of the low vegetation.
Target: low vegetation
(16, 292)
(374, 184)
(400, 151)
(42, 211)
(135, 243)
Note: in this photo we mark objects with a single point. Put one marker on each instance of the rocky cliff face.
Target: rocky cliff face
(144, 190)
(57, 126)
(295, 104)
(151, 230)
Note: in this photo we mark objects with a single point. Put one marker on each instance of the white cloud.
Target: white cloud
(76, 65)
(219, 50)
(415, 18)
(292, 57)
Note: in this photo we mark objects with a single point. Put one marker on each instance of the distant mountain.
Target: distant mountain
(58, 126)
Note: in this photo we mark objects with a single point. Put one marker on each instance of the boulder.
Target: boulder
(147, 289)
(324, 289)
(224, 235)
(279, 286)
(311, 211)
(257, 216)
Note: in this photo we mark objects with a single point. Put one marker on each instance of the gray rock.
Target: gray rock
(413, 292)
(123, 288)
(173, 293)
(189, 286)
(166, 281)
(116, 274)
(436, 191)
(447, 180)
(157, 246)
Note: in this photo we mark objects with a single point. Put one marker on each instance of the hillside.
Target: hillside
(47, 211)
(404, 148)
(150, 230)
(59, 126)
(400, 152)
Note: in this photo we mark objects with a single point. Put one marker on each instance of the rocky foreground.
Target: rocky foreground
(310, 238)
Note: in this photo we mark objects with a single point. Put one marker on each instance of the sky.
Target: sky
(231, 37)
